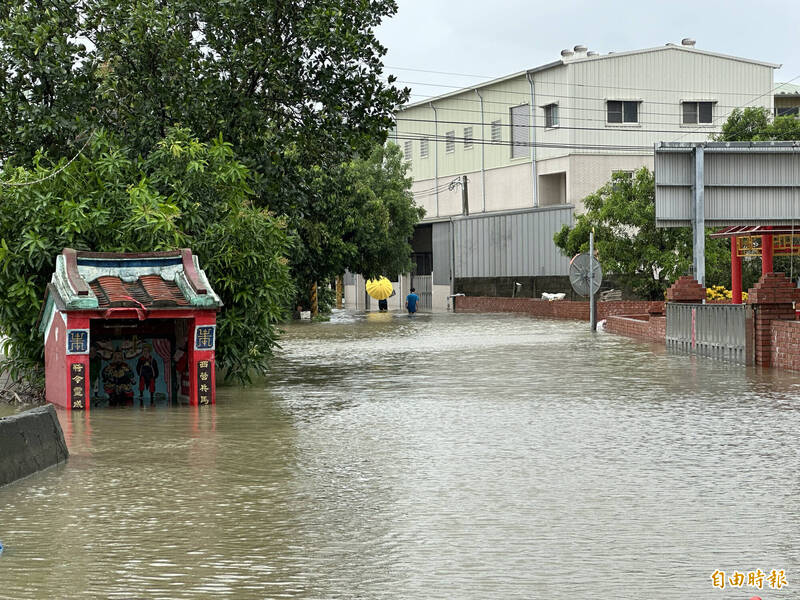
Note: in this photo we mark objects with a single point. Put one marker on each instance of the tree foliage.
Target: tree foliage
(622, 215)
(183, 193)
(296, 87)
(754, 124)
(296, 90)
(369, 217)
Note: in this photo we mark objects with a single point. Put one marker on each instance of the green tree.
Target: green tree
(296, 87)
(183, 192)
(622, 214)
(753, 124)
(381, 188)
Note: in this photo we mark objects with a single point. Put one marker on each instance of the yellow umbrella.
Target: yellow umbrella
(380, 288)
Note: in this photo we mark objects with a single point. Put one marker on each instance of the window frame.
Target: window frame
(424, 150)
(450, 141)
(551, 110)
(520, 149)
(468, 138)
(787, 111)
(698, 122)
(408, 149)
(622, 102)
(496, 126)
(627, 173)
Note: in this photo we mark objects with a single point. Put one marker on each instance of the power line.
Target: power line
(439, 72)
(752, 100)
(620, 128)
(527, 95)
(480, 141)
(565, 107)
(562, 109)
(54, 173)
(554, 83)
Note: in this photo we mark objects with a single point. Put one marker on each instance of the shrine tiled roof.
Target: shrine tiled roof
(148, 281)
(147, 291)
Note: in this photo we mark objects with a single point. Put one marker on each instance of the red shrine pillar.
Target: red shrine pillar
(766, 253)
(736, 274)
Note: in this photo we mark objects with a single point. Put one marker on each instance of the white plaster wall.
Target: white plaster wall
(509, 187)
(439, 297)
(588, 173)
(349, 297)
(449, 202)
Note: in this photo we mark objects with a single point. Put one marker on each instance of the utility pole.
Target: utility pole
(592, 305)
(464, 196)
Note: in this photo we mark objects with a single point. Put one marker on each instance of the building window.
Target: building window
(497, 133)
(620, 178)
(423, 148)
(623, 111)
(450, 141)
(788, 111)
(520, 119)
(467, 137)
(407, 149)
(697, 112)
(551, 115)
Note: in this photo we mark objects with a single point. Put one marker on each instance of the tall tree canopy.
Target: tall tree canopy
(296, 87)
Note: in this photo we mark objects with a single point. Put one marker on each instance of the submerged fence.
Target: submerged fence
(716, 330)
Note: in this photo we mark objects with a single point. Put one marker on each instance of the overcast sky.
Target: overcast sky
(492, 38)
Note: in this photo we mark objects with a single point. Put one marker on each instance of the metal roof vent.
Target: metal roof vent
(687, 42)
(566, 53)
(591, 53)
(580, 48)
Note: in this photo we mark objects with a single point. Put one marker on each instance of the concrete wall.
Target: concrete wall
(55, 354)
(29, 442)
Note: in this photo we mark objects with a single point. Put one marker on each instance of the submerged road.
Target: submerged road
(439, 456)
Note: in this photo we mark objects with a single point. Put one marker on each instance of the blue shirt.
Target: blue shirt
(412, 300)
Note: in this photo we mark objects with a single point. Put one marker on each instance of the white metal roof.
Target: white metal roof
(610, 55)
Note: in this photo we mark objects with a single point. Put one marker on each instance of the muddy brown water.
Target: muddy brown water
(444, 456)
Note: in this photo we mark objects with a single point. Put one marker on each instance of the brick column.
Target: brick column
(771, 299)
(687, 291)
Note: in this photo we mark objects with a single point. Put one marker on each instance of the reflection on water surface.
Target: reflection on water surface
(444, 456)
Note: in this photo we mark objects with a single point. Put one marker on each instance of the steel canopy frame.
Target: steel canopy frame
(716, 184)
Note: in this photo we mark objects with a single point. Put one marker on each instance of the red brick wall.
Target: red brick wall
(559, 309)
(642, 326)
(772, 299)
(785, 347)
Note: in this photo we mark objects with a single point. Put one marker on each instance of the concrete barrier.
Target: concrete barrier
(29, 442)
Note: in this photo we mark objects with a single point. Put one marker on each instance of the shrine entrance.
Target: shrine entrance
(129, 329)
(765, 241)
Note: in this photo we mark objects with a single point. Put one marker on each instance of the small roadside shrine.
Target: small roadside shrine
(125, 329)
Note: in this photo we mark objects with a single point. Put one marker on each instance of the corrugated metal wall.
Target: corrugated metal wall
(511, 244)
(744, 184)
(442, 264)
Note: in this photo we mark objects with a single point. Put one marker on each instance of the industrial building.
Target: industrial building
(529, 147)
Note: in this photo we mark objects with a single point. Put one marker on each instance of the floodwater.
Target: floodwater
(444, 456)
